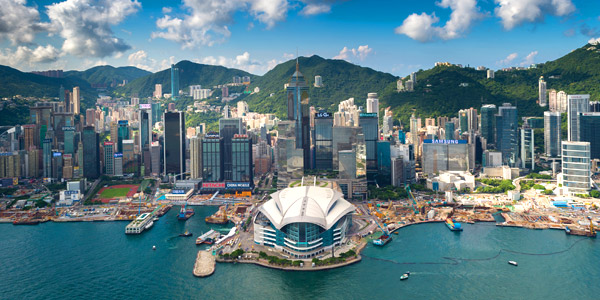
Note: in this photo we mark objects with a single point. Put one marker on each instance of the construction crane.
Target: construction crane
(411, 197)
(592, 229)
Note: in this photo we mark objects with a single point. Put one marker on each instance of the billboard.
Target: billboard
(123, 122)
(108, 143)
(71, 192)
(56, 154)
(178, 191)
(145, 106)
(213, 185)
(118, 154)
(430, 141)
(238, 185)
(320, 115)
(368, 115)
(68, 128)
(211, 135)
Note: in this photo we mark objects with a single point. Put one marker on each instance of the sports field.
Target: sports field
(114, 193)
(110, 193)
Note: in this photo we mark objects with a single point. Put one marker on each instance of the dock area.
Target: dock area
(205, 264)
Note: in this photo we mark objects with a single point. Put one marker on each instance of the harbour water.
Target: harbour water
(97, 260)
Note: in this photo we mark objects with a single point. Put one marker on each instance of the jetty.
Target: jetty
(205, 264)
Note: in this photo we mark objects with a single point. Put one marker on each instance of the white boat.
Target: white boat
(405, 276)
(153, 247)
(149, 225)
(512, 262)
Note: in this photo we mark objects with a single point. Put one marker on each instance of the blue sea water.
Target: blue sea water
(98, 261)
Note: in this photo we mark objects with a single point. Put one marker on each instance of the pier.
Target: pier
(205, 264)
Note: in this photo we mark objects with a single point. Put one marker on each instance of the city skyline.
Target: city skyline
(392, 37)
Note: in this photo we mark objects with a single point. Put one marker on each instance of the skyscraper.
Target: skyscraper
(228, 128)
(576, 104)
(370, 126)
(527, 148)
(195, 157)
(487, 122)
(157, 91)
(91, 153)
(109, 156)
(576, 167)
(552, 133)
(298, 111)
(241, 157)
(463, 120)
(212, 156)
(123, 134)
(174, 82)
(323, 141)
(76, 96)
(552, 103)
(542, 92)
(145, 119)
(507, 133)
(449, 131)
(174, 143)
(373, 104)
(589, 131)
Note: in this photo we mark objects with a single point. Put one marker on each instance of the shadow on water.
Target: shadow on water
(457, 260)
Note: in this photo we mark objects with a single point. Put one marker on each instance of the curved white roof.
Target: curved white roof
(307, 204)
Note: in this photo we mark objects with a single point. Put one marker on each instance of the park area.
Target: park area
(115, 192)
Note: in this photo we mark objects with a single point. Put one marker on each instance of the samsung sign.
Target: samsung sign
(430, 141)
(238, 185)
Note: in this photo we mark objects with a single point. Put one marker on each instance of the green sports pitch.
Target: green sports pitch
(114, 193)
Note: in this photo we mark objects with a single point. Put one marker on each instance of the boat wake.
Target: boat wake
(458, 260)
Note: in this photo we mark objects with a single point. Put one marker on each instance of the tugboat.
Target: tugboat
(512, 262)
(405, 276)
(186, 234)
(453, 225)
(185, 213)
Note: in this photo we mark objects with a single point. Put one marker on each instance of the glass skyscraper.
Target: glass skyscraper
(370, 126)
(576, 167)
(507, 133)
(91, 153)
(323, 141)
(576, 104)
(449, 132)
(212, 155)
(174, 143)
(241, 158)
(589, 131)
(228, 128)
(487, 122)
(552, 133)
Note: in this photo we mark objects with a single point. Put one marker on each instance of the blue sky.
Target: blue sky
(392, 36)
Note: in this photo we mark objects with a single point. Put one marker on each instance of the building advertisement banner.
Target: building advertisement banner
(213, 185)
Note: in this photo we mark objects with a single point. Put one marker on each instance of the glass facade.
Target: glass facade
(589, 125)
(241, 153)
(449, 132)
(353, 139)
(576, 167)
(109, 158)
(552, 133)
(91, 155)
(370, 125)
(145, 130)
(507, 133)
(324, 143)
(174, 143)
(487, 123)
(445, 157)
(227, 129)
(212, 153)
(384, 160)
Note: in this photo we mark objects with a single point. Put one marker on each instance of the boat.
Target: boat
(153, 247)
(405, 276)
(139, 224)
(186, 234)
(512, 262)
(205, 237)
(149, 225)
(382, 240)
(155, 219)
(453, 225)
(185, 213)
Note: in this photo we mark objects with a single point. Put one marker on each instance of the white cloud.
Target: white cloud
(361, 53)
(315, 9)
(28, 56)
(167, 10)
(85, 25)
(516, 12)
(594, 41)
(140, 59)
(508, 60)
(207, 20)
(18, 22)
(421, 27)
(90, 63)
(529, 59)
(242, 62)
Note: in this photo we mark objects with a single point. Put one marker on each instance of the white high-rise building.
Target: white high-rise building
(490, 74)
(373, 104)
(413, 77)
(576, 167)
(399, 85)
(553, 105)
(157, 91)
(242, 108)
(318, 81)
(542, 92)
(576, 104)
(388, 122)
(76, 100)
(195, 157)
(409, 85)
(195, 91)
(561, 101)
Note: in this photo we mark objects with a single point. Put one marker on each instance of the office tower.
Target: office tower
(114, 135)
(527, 148)
(594, 106)
(401, 137)
(109, 156)
(29, 136)
(463, 120)
(130, 164)
(263, 158)
(384, 160)
(323, 141)
(298, 111)
(155, 150)
(90, 117)
(388, 122)
(552, 100)
(174, 143)
(507, 133)
(174, 82)
(576, 167)
(318, 81)
(413, 77)
(472, 122)
(212, 157)
(224, 92)
(373, 104)
(91, 153)
(61, 96)
(76, 96)
(118, 164)
(449, 131)
(589, 131)
(415, 125)
(445, 155)
(145, 119)
(242, 108)
(157, 91)
(241, 159)
(195, 157)
(57, 165)
(69, 136)
(487, 122)
(561, 101)
(228, 128)
(226, 112)
(576, 104)
(123, 134)
(552, 133)
(47, 157)
(490, 74)
(542, 92)
(369, 122)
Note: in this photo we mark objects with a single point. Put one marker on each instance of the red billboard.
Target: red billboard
(213, 185)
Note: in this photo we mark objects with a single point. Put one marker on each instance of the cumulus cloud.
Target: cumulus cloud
(361, 53)
(529, 59)
(141, 59)
(508, 60)
(207, 20)
(594, 41)
(516, 12)
(421, 27)
(242, 62)
(315, 9)
(85, 25)
(18, 22)
(28, 56)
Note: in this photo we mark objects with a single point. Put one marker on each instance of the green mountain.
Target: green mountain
(341, 80)
(104, 75)
(189, 74)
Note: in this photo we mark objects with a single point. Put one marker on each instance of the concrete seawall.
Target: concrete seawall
(205, 264)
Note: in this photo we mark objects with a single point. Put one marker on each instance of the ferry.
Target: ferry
(204, 239)
(405, 276)
(453, 225)
(512, 262)
(382, 240)
(141, 223)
